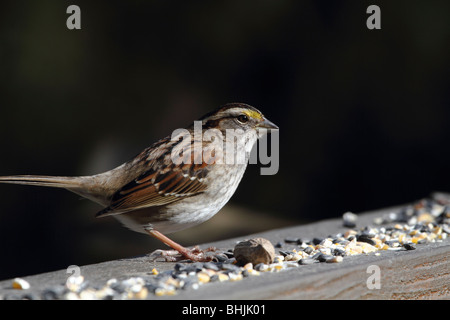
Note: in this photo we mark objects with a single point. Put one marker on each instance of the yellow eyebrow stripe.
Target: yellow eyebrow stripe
(253, 114)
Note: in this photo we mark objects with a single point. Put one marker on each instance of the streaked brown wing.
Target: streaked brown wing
(158, 187)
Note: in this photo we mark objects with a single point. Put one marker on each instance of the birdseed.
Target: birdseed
(426, 221)
(20, 284)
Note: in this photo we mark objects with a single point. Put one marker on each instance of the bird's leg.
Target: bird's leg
(179, 252)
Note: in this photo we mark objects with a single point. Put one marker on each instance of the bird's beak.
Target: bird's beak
(266, 124)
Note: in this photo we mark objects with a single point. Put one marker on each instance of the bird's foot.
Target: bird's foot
(195, 254)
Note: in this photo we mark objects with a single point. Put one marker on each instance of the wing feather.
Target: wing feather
(158, 187)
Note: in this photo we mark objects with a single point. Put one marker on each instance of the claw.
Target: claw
(195, 254)
(167, 255)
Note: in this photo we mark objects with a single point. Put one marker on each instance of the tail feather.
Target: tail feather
(99, 188)
(45, 181)
(87, 187)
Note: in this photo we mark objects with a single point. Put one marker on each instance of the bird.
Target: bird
(178, 182)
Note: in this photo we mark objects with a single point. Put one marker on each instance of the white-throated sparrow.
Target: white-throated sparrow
(179, 181)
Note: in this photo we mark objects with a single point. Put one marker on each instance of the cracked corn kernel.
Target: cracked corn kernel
(203, 277)
(295, 257)
(235, 277)
(142, 294)
(402, 238)
(367, 248)
(172, 282)
(254, 272)
(377, 241)
(164, 292)
(248, 266)
(356, 250)
(223, 277)
(20, 284)
(276, 267)
(425, 217)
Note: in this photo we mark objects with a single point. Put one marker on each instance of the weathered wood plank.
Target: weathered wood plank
(423, 273)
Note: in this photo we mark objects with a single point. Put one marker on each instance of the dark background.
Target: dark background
(363, 114)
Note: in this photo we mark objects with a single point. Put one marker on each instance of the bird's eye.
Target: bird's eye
(242, 118)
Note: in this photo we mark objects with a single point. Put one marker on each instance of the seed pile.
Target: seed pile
(424, 222)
